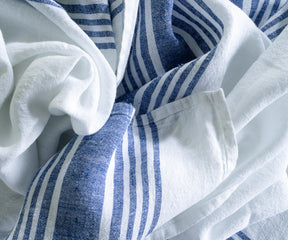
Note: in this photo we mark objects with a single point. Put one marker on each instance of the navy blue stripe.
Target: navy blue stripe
(45, 207)
(192, 32)
(210, 12)
(181, 80)
(35, 195)
(157, 173)
(92, 22)
(132, 187)
(144, 44)
(200, 72)
(144, 175)
(130, 77)
(86, 9)
(117, 10)
(238, 3)
(50, 2)
(230, 238)
(207, 33)
(118, 196)
(99, 33)
(275, 21)
(106, 45)
(242, 236)
(254, 5)
(276, 33)
(202, 17)
(275, 7)
(261, 13)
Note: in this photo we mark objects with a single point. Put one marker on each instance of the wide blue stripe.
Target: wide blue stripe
(207, 33)
(276, 33)
(254, 5)
(86, 9)
(45, 207)
(35, 195)
(202, 17)
(230, 238)
(157, 173)
(192, 32)
(99, 33)
(117, 10)
(148, 64)
(93, 22)
(50, 2)
(238, 3)
(132, 187)
(242, 236)
(277, 20)
(118, 196)
(275, 7)
(200, 72)
(261, 13)
(181, 80)
(144, 175)
(106, 45)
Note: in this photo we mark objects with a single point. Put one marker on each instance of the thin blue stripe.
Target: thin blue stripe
(35, 195)
(261, 13)
(144, 175)
(130, 77)
(207, 33)
(274, 8)
(276, 33)
(230, 238)
(254, 5)
(117, 10)
(118, 196)
(202, 17)
(106, 45)
(86, 9)
(238, 3)
(92, 22)
(132, 187)
(99, 33)
(45, 207)
(242, 236)
(200, 72)
(192, 32)
(181, 80)
(50, 2)
(277, 20)
(157, 173)
(148, 64)
(210, 12)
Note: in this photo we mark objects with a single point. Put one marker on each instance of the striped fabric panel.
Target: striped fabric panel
(269, 15)
(195, 31)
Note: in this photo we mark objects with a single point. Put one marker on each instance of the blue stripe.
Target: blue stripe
(130, 76)
(261, 13)
(45, 207)
(200, 72)
(144, 44)
(276, 33)
(92, 22)
(100, 33)
(242, 236)
(238, 3)
(275, 7)
(50, 2)
(254, 5)
(118, 196)
(157, 173)
(35, 195)
(275, 21)
(117, 10)
(181, 80)
(192, 32)
(86, 9)
(230, 238)
(106, 45)
(144, 175)
(132, 187)
(203, 18)
(207, 33)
